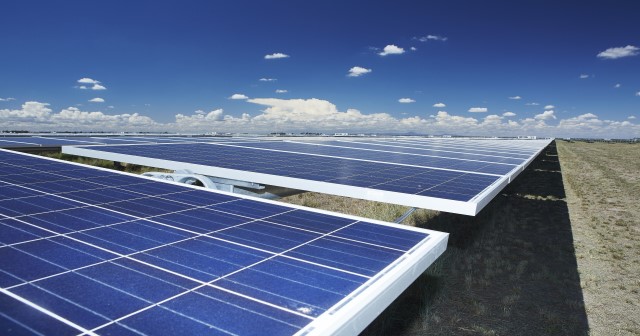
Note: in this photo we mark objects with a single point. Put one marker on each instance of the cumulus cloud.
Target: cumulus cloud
(391, 49)
(546, 115)
(281, 91)
(509, 114)
(39, 116)
(549, 107)
(619, 52)
(96, 100)
(478, 110)
(238, 96)
(406, 100)
(432, 38)
(584, 76)
(6, 99)
(515, 98)
(98, 87)
(86, 80)
(263, 79)
(276, 56)
(439, 105)
(357, 71)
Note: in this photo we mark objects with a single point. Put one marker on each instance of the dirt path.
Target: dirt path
(602, 183)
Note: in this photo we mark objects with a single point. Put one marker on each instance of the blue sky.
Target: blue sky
(547, 68)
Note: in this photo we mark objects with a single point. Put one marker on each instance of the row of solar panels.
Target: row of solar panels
(453, 175)
(35, 142)
(84, 250)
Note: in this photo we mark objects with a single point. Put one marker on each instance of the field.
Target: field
(556, 253)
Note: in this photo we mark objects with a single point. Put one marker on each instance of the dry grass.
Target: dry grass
(603, 191)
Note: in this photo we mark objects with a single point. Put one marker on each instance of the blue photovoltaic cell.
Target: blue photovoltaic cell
(110, 253)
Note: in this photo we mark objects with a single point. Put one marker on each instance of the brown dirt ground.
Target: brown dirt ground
(556, 253)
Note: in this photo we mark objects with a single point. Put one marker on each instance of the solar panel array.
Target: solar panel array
(84, 250)
(453, 175)
(35, 142)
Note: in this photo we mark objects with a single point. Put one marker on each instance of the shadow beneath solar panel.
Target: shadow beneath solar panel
(510, 270)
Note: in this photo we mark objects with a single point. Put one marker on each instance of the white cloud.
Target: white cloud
(439, 105)
(478, 110)
(546, 115)
(98, 87)
(281, 91)
(549, 107)
(38, 116)
(96, 100)
(614, 53)
(267, 79)
(431, 38)
(631, 117)
(532, 104)
(515, 98)
(509, 114)
(638, 93)
(413, 48)
(111, 107)
(82, 87)
(357, 71)
(6, 99)
(88, 81)
(406, 100)
(584, 76)
(391, 49)
(617, 85)
(304, 115)
(276, 56)
(238, 96)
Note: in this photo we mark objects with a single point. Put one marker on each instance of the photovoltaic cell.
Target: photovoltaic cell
(89, 251)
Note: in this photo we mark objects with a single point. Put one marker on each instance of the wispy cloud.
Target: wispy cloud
(631, 117)
(267, 79)
(86, 80)
(439, 105)
(532, 104)
(357, 71)
(406, 100)
(281, 91)
(618, 85)
(7, 99)
(515, 98)
(549, 107)
(638, 94)
(431, 38)
(619, 52)
(478, 110)
(391, 49)
(276, 56)
(584, 76)
(238, 96)
(509, 114)
(96, 100)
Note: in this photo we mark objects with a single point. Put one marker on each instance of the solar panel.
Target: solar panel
(452, 176)
(38, 142)
(84, 250)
